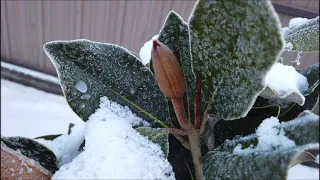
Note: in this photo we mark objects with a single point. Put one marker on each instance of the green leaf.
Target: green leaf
(286, 96)
(158, 136)
(224, 130)
(90, 70)
(294, 110)
(303, 129)
(304, 37)
(49, 137)
(259, 165)
(54, 136)
(312, 75)
(233, 46)
(175, 35)
(33, 150)
(226, 163)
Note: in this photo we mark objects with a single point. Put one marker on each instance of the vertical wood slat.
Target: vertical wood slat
(5, 39)
(27, 25)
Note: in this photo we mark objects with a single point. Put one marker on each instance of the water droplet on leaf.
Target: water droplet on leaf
(81, 86)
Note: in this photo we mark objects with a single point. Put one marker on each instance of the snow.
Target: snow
(108, 107)
(46, 113)
(297, 21)
(285, 80)
(270, 135)
(41, 113)
(30, 72)
(65, 147)
(145, 51)
(114, 149)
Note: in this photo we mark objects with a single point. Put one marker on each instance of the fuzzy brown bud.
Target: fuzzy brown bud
(167, 71)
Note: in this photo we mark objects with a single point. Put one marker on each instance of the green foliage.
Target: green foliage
(230, 45)
(54, 136)
(175, 35)
(33, 150)
(90, 70)
(233, 45)
(304, 37)
(312, 75)
(158, 136)
(226, 163)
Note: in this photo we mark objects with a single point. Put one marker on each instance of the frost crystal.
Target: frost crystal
(114, 150)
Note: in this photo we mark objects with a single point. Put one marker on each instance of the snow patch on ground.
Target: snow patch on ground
(30, 113)
(285, 79)
(145, 51)
(115, 150)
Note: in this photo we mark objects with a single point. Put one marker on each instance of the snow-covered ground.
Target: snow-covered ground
(30, 113)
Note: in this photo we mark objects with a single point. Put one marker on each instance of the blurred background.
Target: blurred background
(27, 25)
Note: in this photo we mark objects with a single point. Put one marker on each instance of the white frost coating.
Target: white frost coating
(30, 72)
(297, 21)
(65, 147)
(114, 150)
(145, 51)
(285, 80)
(81, 86)
(288, 46)
(270, 135)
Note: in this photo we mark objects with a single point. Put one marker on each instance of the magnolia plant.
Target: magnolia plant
(206, 86)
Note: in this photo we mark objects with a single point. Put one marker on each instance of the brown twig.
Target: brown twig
(184, 142)
(204, 122)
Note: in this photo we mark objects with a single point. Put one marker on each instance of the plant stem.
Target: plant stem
(195, 148)
(181, 114)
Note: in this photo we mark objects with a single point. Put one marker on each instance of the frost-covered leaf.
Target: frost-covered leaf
(158, 136)
(285, 83)
(303, 36)
(260, 165)
(267, 154)
(303, 129)
(294, 110)
(233, 45)
(224, 130)
(175, 35)
(33, 150)
(312, 75)
(89, 70)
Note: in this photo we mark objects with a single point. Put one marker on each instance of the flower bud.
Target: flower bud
(167, 71)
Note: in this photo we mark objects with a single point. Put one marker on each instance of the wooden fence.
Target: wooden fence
(27, 25)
